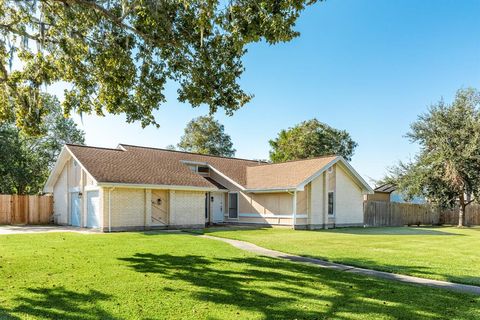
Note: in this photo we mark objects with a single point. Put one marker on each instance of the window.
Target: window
(233, 205)
(330, 203)
(206, 206)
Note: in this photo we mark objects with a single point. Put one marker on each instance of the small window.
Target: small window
(233, 205)
(330, 203)
(204, 170)
(193, 168)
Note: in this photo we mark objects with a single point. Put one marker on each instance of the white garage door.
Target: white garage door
(93, 210)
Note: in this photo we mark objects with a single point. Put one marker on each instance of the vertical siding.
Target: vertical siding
(60, 198)
(303, 200)
(187, 208)
(264, 204)
(316, 201)
(349, 200)
(72, 177)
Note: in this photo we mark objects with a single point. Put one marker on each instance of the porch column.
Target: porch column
(148, 208)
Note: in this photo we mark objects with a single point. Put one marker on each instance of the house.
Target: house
(132, 187)
(389, 193)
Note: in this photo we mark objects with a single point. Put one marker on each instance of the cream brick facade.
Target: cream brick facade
(130, 206)
(187, 208)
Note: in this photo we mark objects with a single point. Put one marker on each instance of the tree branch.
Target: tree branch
(118, 21)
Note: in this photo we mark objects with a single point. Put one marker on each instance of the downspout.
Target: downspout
(110, 209)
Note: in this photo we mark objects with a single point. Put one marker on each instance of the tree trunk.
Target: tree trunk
(461, 215)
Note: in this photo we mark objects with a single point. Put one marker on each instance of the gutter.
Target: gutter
(287, 189)
(154, 186)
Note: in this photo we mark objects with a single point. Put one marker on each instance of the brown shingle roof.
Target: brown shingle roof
(142, 165)
(286, 174)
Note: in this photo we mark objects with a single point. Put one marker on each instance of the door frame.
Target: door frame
(97, 213)
(220, 195)
(167, 209)
(78, 196)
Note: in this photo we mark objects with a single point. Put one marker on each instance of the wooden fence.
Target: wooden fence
(23, 209)
(392, 214)
(382, 214)
(472, 215)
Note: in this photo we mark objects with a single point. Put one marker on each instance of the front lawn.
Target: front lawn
(445, 253)
(180, 276)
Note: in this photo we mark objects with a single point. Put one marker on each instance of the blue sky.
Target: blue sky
(369, 67)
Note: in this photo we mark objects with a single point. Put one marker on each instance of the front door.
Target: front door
(159, 207)
(75, 209)
(217, 206)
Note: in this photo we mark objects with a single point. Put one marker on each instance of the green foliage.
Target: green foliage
(311, 139)
(25, 161)
(205, 135)
(448, 165)
(118, 55)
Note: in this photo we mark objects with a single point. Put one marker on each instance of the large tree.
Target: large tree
(447, 168)
(207, 136)
(118, 55)
(25, 161)
(310, 139)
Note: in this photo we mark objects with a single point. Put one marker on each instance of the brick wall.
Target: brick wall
(187, 208)
(128, 208)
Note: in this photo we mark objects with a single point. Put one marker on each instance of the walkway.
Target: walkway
(22, 229)
(247, 246)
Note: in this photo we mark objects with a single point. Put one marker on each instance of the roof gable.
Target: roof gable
(134, 165)
(285, 175)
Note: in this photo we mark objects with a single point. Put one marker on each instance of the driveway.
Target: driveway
(21, 229)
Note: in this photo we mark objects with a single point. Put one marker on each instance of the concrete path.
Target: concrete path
(247, 246)
(21, 229)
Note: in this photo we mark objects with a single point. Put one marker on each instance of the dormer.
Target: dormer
(201, 168)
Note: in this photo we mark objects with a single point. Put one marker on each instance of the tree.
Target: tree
(310, 139)
(447, 168)
(205, 135)
(118, 55)
(25, 161)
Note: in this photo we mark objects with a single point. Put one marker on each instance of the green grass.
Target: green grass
(165, 275)
(443, 253)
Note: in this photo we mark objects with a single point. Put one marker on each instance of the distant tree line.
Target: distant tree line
(26, 160)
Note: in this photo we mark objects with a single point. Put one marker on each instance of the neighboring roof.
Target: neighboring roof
(386, 188)
(135, 165)
(285, 175)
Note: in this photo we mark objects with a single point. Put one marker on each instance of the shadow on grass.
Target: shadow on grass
(280, 289)
(417, 271)
(397, 231)
(369, 231)
(58, 303)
